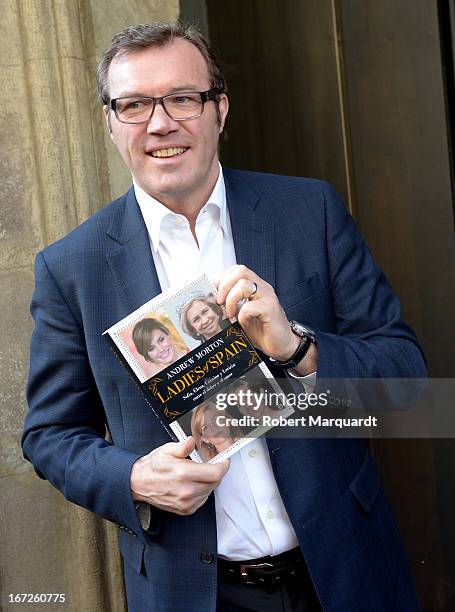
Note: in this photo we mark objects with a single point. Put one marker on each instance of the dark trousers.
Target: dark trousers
(292, 595)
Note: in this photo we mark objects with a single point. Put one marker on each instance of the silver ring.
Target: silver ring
(254, 291)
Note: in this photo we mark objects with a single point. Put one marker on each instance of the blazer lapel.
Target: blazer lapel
(254, 241)
(252, 229)
(131, 261)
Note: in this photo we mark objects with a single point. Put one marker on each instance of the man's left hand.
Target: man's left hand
(254, 302)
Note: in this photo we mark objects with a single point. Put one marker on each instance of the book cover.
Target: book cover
(198, 371)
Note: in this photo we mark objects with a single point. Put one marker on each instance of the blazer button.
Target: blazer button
(206, 557)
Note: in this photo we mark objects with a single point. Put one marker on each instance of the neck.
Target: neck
(188, 207)
(188, 204)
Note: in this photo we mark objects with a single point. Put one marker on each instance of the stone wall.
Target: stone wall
(57, 166)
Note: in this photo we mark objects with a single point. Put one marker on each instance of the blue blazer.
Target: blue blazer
(296, 234)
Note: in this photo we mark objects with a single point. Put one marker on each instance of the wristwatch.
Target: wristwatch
(307, 338)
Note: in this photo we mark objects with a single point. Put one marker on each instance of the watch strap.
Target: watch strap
(299, 354)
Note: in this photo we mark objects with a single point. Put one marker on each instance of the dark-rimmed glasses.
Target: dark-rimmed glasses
(179, 106)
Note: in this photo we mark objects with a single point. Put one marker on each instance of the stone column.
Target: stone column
(57, 166)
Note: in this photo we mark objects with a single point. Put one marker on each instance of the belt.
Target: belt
(265, 571)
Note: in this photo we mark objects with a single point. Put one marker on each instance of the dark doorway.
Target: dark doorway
(358, 93)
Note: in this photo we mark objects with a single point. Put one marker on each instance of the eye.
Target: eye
(184, 98)
(134, 105)
(130, 106)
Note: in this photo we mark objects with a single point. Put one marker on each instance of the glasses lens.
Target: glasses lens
(178, 106)
(183, 105)
(133, 110)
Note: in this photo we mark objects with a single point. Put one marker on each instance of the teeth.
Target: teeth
(168, 152)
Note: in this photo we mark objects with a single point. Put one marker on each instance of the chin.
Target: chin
(169, 183)
(222, 446)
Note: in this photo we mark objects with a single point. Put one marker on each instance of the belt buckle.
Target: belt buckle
(244, 569)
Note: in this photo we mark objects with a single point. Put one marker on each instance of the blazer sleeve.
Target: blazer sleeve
(371, 339)
(65, 428)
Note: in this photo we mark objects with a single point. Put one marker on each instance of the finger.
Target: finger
(256, 309)
(208, 473)
(201, 492)
(224, 466)
(232, 271)
(231, 277)
(165, 459)
(179, 450)
(200, 501)
(182, 505)
(194, 490)
(190, 470)
(239, 294)
(189, 507)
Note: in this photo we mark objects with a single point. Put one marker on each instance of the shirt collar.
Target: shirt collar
(154, 212)
(218, 198)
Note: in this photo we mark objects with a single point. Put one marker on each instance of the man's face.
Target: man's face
(155, 72)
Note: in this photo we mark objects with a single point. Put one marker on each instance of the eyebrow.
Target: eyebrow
(182, 87)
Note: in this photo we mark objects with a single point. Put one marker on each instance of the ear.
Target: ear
(223, 106)
(107, 118)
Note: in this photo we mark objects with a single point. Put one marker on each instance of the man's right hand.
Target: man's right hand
(167, 480)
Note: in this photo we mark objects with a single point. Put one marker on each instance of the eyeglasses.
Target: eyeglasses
(179, 106)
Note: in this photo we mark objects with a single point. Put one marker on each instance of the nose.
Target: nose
(160, 122)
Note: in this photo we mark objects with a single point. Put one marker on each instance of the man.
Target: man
(287, 246)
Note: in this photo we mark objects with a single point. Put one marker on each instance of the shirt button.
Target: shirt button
(178, 221)
(206, 557)
(252, 452)
(270, 514)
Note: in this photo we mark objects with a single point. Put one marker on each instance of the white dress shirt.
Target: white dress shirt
(251, 519)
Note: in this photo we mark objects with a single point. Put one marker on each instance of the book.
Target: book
(198, 371)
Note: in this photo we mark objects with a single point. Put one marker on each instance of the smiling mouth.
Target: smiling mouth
(169, 152)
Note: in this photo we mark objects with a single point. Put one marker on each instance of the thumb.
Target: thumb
(224, 466)
(181, 449)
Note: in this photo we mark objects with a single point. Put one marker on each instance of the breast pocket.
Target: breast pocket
(295, 299)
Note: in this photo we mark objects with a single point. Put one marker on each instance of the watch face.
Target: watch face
(297, 328)
(301, 330)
